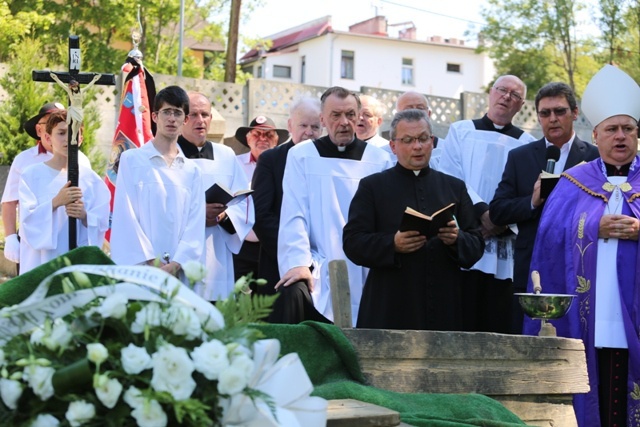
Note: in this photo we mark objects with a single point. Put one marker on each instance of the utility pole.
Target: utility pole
(232, 42)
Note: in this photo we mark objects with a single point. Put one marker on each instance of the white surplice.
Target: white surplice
(378, 141)
(158, 208)
(219, 244)
(44, 233)
(317, 192)
(26, 158)
(478, 158)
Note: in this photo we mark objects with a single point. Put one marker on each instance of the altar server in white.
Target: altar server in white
(47, 201)
(476, 151)
(159, 209)
(320, 179)
(225, 227)
(35, 128)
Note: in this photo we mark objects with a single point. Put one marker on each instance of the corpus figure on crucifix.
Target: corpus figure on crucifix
(75, 114)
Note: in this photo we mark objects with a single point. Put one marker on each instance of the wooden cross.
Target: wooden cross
(74, 114)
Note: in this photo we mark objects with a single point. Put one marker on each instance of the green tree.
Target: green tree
(613, 25)
(25, 99)
(532, 39)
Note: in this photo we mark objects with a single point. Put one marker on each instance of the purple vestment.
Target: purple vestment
(565, 254)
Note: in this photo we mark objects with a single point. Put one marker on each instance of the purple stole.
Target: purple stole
(565, 254)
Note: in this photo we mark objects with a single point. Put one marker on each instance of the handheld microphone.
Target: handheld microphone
(552, 156)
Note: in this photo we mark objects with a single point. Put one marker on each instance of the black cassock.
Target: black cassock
(419, 290)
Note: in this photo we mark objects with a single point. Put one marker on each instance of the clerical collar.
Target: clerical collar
(615, 171)
(485, 123)
(193, 152)
(353, 151)
(410, 172)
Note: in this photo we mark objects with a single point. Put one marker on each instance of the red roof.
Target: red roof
(292, 36)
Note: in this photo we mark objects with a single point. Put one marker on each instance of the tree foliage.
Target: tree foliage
(533, 39)
(26, 98)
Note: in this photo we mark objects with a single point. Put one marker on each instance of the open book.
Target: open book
(427, 225)
(218, 193)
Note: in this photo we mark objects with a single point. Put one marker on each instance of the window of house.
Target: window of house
(282, 71)
(454, 68)
(303, 68)
(346, 64)
(407, 71)
(259, 72)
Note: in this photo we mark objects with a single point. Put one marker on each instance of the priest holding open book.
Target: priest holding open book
(414, 280)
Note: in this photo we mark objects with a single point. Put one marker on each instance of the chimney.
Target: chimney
(435, 39)
(376, 26)
(407, 34)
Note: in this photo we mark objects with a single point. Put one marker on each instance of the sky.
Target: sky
(449, 19)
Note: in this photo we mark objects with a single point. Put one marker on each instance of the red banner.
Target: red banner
(134, 121)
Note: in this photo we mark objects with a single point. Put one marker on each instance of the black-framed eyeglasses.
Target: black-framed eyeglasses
(408, 140)
(168, 112)
(503, 91)
(559, 112)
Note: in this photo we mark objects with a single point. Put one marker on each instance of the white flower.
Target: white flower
(39, 379)
(2, 360)
(134, 359)
(182, 320)
(194, 271)
(232, 381)
(60, 336)
(210, 358)
(80, 412)
(36, 336)
(45, 420)
(97, 353)
(133, 397)
(211, 322)
(115, 305)
(150, 414)
(149, 315)
(245, 364)
(108, 390)
(172, 369)
(241, 284)
(10, 391)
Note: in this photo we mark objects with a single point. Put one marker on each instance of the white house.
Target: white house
(314, 54)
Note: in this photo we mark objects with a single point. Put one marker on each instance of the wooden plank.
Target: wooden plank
(542, 414)
(459, 362)
(354, 413)
(340, 293)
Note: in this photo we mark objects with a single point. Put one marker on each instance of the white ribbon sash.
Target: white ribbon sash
(143, 283)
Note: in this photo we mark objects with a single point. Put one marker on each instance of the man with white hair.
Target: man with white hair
(303, 124)
(476, 152)
(370, 120)
(587, 246)
(320, 179)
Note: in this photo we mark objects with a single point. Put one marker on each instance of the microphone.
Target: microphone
(552, 156)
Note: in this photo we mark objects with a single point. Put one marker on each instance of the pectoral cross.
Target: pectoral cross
(74, 114)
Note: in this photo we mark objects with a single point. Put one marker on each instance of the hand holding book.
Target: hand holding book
(427, 225)
(218, 193)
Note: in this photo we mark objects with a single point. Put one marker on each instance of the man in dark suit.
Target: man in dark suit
(517, 199)
(304, 123)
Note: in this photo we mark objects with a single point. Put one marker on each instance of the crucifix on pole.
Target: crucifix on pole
(73, 78)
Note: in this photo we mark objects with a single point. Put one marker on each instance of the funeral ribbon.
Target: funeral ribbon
(286, 381)
(143, 283)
